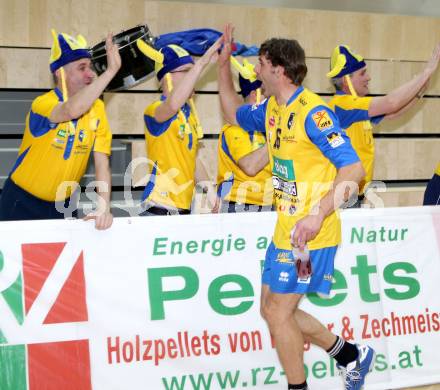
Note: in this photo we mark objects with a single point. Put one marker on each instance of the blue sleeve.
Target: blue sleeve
(41, 109)
(156, 128)
(348, 117)
(323, 129)
(39, 124)
(251, 118)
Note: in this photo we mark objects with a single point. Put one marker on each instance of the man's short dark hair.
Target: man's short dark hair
(286, 53)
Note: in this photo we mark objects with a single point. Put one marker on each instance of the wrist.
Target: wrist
(103, 206)
(427, 73)
(109, 73)
(200, 64)
(318, 211)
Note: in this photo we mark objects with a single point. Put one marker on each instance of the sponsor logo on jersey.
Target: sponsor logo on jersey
(288, 187)
(283, 169)
(81, 135)
(61, 133)
(272, 121)
(292, 209)
(322, 120)
(335, 139)
(290, 121)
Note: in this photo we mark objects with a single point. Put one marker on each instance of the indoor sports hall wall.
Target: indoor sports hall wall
(395, 48)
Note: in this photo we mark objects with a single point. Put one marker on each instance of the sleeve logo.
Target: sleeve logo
(322, 120)
(335, 139)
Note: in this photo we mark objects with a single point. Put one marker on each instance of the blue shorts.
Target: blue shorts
(279, 271)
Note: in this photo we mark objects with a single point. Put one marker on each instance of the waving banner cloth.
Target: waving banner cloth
(197, 41)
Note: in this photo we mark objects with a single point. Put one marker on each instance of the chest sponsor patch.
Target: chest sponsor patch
(283, 169)
(322, 120)
(181, 132)
(335, 139)
(62, 133)
(285, 186)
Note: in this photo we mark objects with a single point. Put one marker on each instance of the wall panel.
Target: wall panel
(405, 159)
(376, 36)
(29, 68)
(25, 68)
(401, 196)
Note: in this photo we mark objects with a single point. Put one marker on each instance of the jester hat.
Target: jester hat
(66, 49)
(344, 61)
(247, 78)
(173, 57)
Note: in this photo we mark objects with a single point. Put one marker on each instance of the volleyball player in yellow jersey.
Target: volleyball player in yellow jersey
(171, 134)
(357, 112)
(62, 128)
(311, 157)
(243, 185)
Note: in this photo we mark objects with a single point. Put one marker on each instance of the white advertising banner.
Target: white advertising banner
(167, 303)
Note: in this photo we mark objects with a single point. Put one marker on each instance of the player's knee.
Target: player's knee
(274, 314)
(263, 310)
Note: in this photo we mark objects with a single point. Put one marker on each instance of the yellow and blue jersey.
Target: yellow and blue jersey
(352, 112)
(232, 183)
(171, 150)
(307, 146)
(437, 169)
(53, 153)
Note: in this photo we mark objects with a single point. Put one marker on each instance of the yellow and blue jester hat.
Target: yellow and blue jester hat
(166, 60)
(247, 86)
(247, 78)
(344, 61)
(173, 57)
(65, 49)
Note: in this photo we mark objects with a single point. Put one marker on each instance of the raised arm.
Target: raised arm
(183, 91)
(400, 97)
(80, 102)
(229, 99)
(411, 104)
